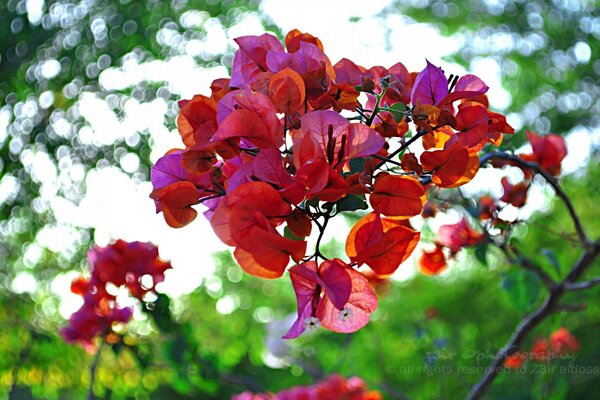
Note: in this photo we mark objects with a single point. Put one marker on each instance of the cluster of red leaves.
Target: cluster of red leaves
(453, 237)
(333, 388)
(270, 148)
(135, 266)
(560, 343)
(548, 153)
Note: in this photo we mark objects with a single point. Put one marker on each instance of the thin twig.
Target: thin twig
(529, 265)
(23, 355)
(550, 305)
(386, 160)
(93, 368)
(242, 380)
(583, 285)
(400, 149)
(552, 181)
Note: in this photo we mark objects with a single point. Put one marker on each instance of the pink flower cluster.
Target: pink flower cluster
(135, 265)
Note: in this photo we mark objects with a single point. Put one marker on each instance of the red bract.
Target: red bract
(197, 120)
(548, 151)
(452, 167)
(459, 235)
(562, 342)
(514, 194)
(430, 86)
(134, 265)
(124, 263)
(333, 388)
(432, 262)
(497, 126)
(91, 321)
(334, 295)
(515, 361)
(381, 243)
(250, 59)
(540, 351)
(247, 219)
(398, 196)
(472, 123)
(287, 91)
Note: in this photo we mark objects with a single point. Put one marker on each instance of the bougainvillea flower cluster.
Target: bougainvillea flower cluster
(560, 343)
(135, 266)
(335, 387)
(292, 139)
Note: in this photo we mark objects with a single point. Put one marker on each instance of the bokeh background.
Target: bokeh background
(88, 100)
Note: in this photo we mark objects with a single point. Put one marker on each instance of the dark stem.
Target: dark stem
(376, 108)
(386, 160)
(93, 369)
(584, 285)
(400, 149)
(552, 181)
(22, 357)
(242, 380)
(321, 232)
(527, 264)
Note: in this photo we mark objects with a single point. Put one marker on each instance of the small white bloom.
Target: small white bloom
(312, 324)
(345, 314)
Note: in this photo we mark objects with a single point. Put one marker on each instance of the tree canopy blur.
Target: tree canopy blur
(546, 52)
(431, 337)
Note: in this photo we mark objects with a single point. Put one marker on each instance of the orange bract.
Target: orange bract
(381, 243)
(454, 166)
(287, 91)
(294, 37)
(432, 262)
(196, 115)
(247, 220)
(548, 151)
(398, 196)
(176, 202)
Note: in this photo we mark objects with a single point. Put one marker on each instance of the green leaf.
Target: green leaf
(287, 233)
(481, 253)
(351, 203)
(397, 111)
(551, 257)
(160, 313)
(357, 165)
(522, 287)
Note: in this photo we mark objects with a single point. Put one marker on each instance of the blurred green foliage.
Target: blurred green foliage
(431, 337)
(547, 52)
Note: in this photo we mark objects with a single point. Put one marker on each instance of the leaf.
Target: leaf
(357, 165)
(551, 257)
(351, 203)
(161, 314)
(397, 111)
(522, 287)
(481, 253)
